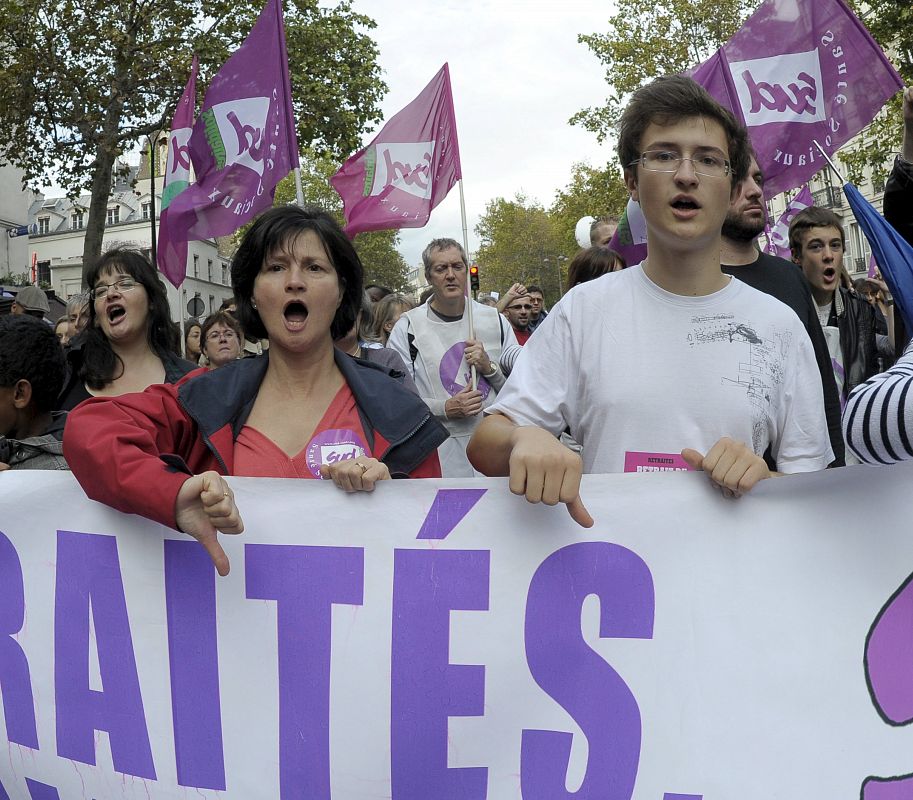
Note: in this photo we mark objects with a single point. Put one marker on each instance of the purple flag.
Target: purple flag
(778, 235)
(796, 71)
(172, 255)
(408, 168)
(243, 142)
(630, 237)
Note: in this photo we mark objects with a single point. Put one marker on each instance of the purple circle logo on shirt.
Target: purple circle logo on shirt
(331, 447)
(453, 369)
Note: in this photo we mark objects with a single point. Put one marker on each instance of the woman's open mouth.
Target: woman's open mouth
(295, 313)
(115, 313)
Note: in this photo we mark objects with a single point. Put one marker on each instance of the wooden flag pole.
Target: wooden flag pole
(472, 333)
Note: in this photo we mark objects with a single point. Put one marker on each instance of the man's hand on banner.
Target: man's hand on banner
(545, 471)
(356, 475)
(205, 506)
(733, 466)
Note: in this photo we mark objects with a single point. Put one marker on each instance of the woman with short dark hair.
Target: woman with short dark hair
(129, 342)
(221, 339)
(301, 410)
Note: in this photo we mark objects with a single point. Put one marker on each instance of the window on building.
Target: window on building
(212, 300)
(224, 273)
(147, 210)
(196, 266)
(77, 220)
(44, 225)
(209, 269)
(44, 272)
(114, 215)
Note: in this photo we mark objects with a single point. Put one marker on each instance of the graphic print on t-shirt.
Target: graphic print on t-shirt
(760, 374)
(331, 447)
(452, 364)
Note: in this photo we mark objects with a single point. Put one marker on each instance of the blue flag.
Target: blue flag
(892, 252)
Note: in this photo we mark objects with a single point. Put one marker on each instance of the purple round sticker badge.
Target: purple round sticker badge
(331, 447)
(452, 365)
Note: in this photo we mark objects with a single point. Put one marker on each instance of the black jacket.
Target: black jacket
(857, 339)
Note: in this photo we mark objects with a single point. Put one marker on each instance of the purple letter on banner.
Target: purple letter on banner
(590, 691)
(190, 594)
(15, 683)
(41, 791)
(426, 687)
(304, 582)
(88, 572)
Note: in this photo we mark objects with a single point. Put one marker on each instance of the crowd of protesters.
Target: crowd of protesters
(717, 356)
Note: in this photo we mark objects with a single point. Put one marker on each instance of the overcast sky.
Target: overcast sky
(518, 74)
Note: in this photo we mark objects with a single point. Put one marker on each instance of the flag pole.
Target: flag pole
(299, 192)
(472, 332)
(831, 163)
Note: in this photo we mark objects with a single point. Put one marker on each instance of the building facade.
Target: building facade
(57, 233)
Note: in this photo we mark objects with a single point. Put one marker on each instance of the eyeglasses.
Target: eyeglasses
(215, 336)
(521, 308)
(708, 164)
(122, 285)
(458, 268)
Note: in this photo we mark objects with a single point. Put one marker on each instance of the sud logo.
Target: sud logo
(333, 454)
(400, 165)
(784, 88)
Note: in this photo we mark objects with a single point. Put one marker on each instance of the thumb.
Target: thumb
(695, 460)
(210, 542)
(579, 513)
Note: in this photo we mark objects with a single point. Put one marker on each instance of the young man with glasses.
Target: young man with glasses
(670, 364)
(435, 344)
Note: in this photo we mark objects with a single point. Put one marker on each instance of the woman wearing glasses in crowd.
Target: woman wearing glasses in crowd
(301, 410)
(220, 339)
(129, 342)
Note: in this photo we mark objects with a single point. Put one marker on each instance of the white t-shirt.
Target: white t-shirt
(639, 374)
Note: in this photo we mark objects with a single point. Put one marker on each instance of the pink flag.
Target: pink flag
(408, 168)
(796, 72)
(630, 237)
(243, 142)
(873, 266)
(778, 235)
(172, 255)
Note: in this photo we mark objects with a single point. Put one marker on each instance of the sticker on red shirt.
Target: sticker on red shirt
(332, 446)
(655, 462)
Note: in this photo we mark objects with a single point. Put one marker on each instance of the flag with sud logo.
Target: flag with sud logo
(408, 168)
(778, 235)
(172, 255)
(797, 71)
(243, 142)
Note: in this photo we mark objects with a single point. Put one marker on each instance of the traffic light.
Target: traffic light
(474, 278)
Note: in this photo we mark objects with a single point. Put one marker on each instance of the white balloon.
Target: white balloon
(582, 231)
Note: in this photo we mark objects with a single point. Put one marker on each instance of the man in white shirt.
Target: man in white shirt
(670, 364)
(434, 342)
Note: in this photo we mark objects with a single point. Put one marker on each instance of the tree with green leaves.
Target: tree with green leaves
(519, 242)
(377, 250)
(648, 38)
(84, 81)
(592, 192)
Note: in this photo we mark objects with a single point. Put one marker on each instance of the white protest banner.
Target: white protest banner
(445, 639)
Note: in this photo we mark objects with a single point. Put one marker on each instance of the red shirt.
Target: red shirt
(522, 336)
(339, 436)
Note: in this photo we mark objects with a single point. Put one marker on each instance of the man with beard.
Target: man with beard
(518, 314)
(780, 279)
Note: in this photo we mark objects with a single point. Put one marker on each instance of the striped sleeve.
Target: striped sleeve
(878, 420)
